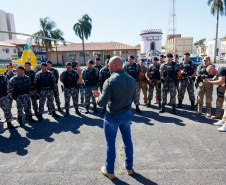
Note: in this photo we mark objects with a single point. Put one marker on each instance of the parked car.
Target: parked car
(196, 60)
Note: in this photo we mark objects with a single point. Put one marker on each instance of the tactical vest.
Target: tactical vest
(203, 71)
(169, 71)
(70, 79)
(46, 80)
(9, 75)
(54, 71)
(132, 70)
(153, 72)
(91, 77)
(3, 86)
(31, 74)
(187, 68)
(106, 74)
(21, 86)
(98, 67)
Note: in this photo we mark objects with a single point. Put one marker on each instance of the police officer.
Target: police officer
(99, 67)
(186, 81)
(55, 90)
(104, 74)
(153, 77)
(176, 58)
(204, 88)
(19, 87)
(45, 83)
(90, 76)
(143, 83)
(169, 72)
(133, 70)
(69, 78)
(5, 101)
(33, 90)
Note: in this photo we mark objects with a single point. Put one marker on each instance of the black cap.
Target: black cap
(161, 56)
(68, 64)
(169, 55)
(49, 62)
(91, 62)
(142, 60)
(187, 53)
(176, 56)
(107, 60)
(156, 59)
(44, 64)
(20, 67)
(27, 62)
(97, 58)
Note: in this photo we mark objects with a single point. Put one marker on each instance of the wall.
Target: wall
(210, 46)
(11, 55)
(11, 25)
(3, 26)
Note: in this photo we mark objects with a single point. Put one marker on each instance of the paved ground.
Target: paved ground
(168, 149)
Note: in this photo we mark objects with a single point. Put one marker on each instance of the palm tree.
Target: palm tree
(83, 30)
(200, 43)
(57, 34)
(217, 6)
(47, 30)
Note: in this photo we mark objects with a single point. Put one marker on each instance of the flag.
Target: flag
(28, 44)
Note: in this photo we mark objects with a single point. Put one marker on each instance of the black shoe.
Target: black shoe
(55, 115)
(40, 118)
(20, 120)
(104, 110)
(36, 113)
(59, 109)
(179, 104)
(138, 109)
(162, 109)
(67, 113)
(77, 111)
(174, 109)
(49, 113)
(26, 117)
(30, 119)
(148, 104)
(95, 108)
(192, 105)
(87, 110)
(10, 126)
(160, 104)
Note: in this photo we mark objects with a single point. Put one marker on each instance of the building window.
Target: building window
(97, 53)
(125, 52)
(86, 54)
(14, 50)
(117, 53)
(7, 50)
(153, 46)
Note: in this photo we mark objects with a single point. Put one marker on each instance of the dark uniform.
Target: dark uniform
(45, 82)
(69, 79)
(154, 75)
(169, 83)
(99, 83)
(185, 83)
(33, 90)
(19, 87)
(5, 101)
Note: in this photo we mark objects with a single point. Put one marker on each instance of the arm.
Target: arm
(220, 81)
(106, 94)
(62, 77)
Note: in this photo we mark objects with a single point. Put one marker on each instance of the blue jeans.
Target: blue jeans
(81, 89)
(111, 125)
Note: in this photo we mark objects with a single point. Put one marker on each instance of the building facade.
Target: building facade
(8, 51)
(210, 48)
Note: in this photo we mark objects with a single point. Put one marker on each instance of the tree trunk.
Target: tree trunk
(215, 48)
(57, 54)
(84, 56)
(46, 52)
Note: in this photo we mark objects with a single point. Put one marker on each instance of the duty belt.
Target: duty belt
(46, 88)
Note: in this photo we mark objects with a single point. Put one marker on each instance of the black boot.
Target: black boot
(138, 109)
(20, 120)
(26, 117)
(95, 108)
(148, 104)
(162, 109)
(192, 105)
(67, 113)
(160, 104)
(30, 119)
(104, 110)
(49, 111)
(10, 126)
(87, 110)
(59, 109)
(55, 115)
(174, 109)
(77, 111)
(36, 113)
(179, 104)
(40, 118)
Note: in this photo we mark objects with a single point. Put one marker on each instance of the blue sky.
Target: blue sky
(116, 20)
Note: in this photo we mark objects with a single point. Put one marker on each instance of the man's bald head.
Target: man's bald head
(115, 64)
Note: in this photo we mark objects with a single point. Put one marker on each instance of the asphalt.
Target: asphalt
(168, 149)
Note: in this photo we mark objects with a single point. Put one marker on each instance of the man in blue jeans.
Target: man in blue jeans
(117, 95)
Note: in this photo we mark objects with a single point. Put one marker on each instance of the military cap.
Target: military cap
(107, 60)
(161, 56)
(68, 64)
(49, 62)
(44, 64)
(176, 56)
(20, 67)
(27, 62)
(156, 59)
(187, 53)
(169, 55)
(91, 62)
(206, 58)
(97, 58)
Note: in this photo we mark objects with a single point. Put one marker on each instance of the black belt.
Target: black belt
(46, 88)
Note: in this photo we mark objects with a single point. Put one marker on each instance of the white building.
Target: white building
(7, 24)
(223, 49)
(8, 51)
(151, 42)
(210, 46)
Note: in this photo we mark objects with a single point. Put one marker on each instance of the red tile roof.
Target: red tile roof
(95, 46)
(3, 43)
(18, 42)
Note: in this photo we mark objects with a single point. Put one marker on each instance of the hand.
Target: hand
(96, 94)
(223, 85)
(158, 81)
(150, 81)
(182, 72)
(190, 77)
(205, 80)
